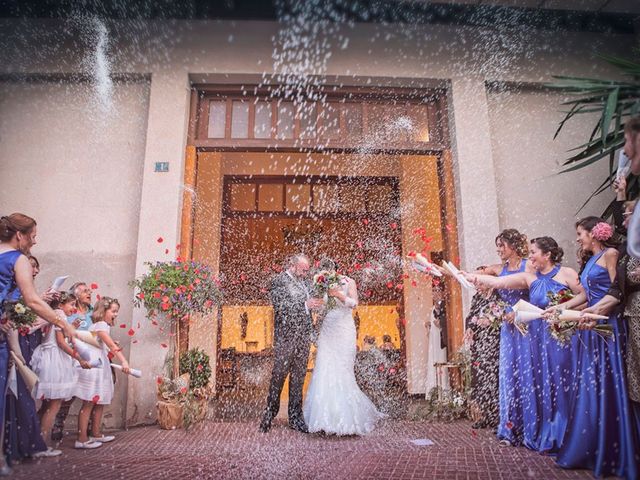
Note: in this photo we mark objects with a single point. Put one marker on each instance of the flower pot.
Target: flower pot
(170, 415)
(203, 408)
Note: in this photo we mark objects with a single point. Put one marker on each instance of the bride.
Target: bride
(334, 403)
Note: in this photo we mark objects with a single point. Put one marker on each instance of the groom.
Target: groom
(292, 306)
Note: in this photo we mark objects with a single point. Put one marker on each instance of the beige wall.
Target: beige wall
(175, 53)
(77, 172)
(531, 196)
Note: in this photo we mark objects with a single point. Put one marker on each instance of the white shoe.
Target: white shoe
(102, 439)
(87, 445)
(49, 452)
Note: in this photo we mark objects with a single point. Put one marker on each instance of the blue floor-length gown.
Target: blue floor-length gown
(602, 430)
(557, 363)
(22, 436)
(514, 358)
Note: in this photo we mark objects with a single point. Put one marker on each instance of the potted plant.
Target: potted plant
(196, 364)
(176, 290)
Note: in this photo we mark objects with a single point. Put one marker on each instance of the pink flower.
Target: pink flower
(602, 231)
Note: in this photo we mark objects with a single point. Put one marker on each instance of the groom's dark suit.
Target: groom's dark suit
(292, 338)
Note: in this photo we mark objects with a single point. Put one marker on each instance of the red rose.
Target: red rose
(141, 295)
(94, 286)
(183, 390)
(156, 294)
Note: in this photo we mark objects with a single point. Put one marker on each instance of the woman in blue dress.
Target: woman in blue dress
(546, 372)
(513, 249)
(602, 432)
(17, 236)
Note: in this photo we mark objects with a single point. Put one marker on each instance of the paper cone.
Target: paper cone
(87, 337)
(526, 317)
(132, 371)
(420, 261)
(30, 378)
(457, 275)
(83, 349)
(524, 306)
(94, 363)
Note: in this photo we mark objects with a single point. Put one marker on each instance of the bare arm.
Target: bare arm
(24, 279)
(611, 262)
(113, 348)
(517, 281)
(350, 299)
(493, 270)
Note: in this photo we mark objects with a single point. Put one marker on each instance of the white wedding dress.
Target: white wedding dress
(334, 403)
(435, 354)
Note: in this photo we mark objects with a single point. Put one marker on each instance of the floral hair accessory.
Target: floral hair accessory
(602, 231)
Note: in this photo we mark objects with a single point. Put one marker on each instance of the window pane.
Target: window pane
(298, 198)
(262, 127)
(353, 119)
(240, 120)
(380, 199)
(217, 116)
(331, 120)
(418, 115)
(308, 118)
(352, 198)
(285, 120)
(270, 197)
(243, 197)
(326, 198)
(388, 123)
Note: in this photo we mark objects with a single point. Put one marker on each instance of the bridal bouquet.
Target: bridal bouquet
(323, 281)
(18, 313)
(560, 297)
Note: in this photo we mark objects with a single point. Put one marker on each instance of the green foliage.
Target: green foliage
(195, 362)
(177, 288)
(615, 101)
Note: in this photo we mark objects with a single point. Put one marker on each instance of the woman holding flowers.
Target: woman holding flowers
(17, 236)
(602, 430)
(546, 384)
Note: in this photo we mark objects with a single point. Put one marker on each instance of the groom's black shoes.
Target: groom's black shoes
(265, 425)
(299, 426)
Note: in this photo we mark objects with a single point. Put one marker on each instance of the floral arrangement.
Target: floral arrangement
(563, 330)
(20, 315)
(491, 315)
(323, 281)
(177, 288)
(560, 297)
(602, 231)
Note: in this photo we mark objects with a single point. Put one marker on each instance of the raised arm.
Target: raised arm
(517, 281)
(24, 279)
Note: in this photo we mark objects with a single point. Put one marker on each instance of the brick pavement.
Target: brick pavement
(221, 450)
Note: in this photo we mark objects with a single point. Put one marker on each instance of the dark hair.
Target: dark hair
(14, 223)
(588, 223)
(516, 240)
(386, 338)
(632, 126)
(550, 246)
(64, 297)
(35, 260)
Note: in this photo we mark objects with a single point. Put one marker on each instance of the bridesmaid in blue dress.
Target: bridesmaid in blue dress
(17, 236)
(545, 368)
(602, 432)
(513, 250)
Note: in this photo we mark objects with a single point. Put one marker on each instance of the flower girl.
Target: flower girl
(95, 386)
(53, 362)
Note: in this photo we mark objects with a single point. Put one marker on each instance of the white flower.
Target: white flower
(20, 308)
